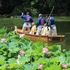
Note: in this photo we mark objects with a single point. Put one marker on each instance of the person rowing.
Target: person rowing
(27, 21)
(51, 24)
(40, 24)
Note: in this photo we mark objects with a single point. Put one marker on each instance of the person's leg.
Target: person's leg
(54, 31)
(28, 29)
(28, 26)
(38, 31)
(24, 27)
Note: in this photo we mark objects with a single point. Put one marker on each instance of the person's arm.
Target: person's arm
(22, 15)
(37, 22)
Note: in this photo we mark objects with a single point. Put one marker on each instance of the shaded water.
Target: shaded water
(64, 28)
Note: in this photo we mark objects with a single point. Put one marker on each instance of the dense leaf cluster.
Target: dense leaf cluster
(62, 7)
(22, 54)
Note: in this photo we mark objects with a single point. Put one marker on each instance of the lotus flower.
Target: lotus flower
(3, 39)
(21, 35)
(64, 66)
(22, 52)
(45, 50)
(40, 67)
(50, 53)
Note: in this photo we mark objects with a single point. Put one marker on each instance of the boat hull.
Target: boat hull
(46, 39)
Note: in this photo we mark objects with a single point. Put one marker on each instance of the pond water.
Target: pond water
(64, 28)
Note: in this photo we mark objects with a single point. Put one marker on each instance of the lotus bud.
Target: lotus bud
(21, 35)
(45, 50)
(64, 66)
(22, 52)
(3, 39)
(46, 44)
(40, 67)
(50, 53)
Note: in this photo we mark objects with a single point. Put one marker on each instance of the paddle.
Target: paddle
(19, 10)
(51, 11)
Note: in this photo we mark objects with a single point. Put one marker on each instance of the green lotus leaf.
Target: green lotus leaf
(53, 67)
(61, 59)
(24, 59)
(3, 67)
(28, 67)
(53, 48)
(54, 59)
(2, 59)
(43, 61)
(11, 60)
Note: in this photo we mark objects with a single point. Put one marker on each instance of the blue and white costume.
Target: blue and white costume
(27, 21)
(40, 24)
(51, 24)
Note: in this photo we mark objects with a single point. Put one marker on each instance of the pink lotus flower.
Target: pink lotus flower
(3, 39)
(18, 56)
(40, 67)
(50, 53)
(22, 52)
(21, 35)
(64, 66)
(45, 50)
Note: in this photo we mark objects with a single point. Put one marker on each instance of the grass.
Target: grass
(11, 22)
(62, 18)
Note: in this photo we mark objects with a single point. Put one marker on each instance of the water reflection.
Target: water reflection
(64, 29)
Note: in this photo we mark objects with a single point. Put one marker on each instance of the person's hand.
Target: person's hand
(22, 13)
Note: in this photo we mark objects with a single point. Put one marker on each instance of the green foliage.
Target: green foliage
(12, 59)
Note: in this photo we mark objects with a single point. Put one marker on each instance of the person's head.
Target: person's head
(27, 13)
(48, 17)
(40, 15)
(52, 18)
(33, 23)
(44, 24)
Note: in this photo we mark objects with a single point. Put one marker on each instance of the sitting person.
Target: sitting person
(33, 29)
(45, 30)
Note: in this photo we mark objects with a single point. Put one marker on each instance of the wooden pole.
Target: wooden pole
(51, 11)
(19, 10)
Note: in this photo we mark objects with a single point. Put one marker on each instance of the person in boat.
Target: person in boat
(27, 21)
(33, 29)
(45, 30)
(40, 24)
(51, 24)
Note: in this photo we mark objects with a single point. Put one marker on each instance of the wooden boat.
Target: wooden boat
(46, 39)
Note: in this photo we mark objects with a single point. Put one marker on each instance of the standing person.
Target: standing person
(27, 21)
(51, 24)
(40, 24)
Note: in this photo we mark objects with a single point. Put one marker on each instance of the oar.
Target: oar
(51, 11)
(19, 10)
